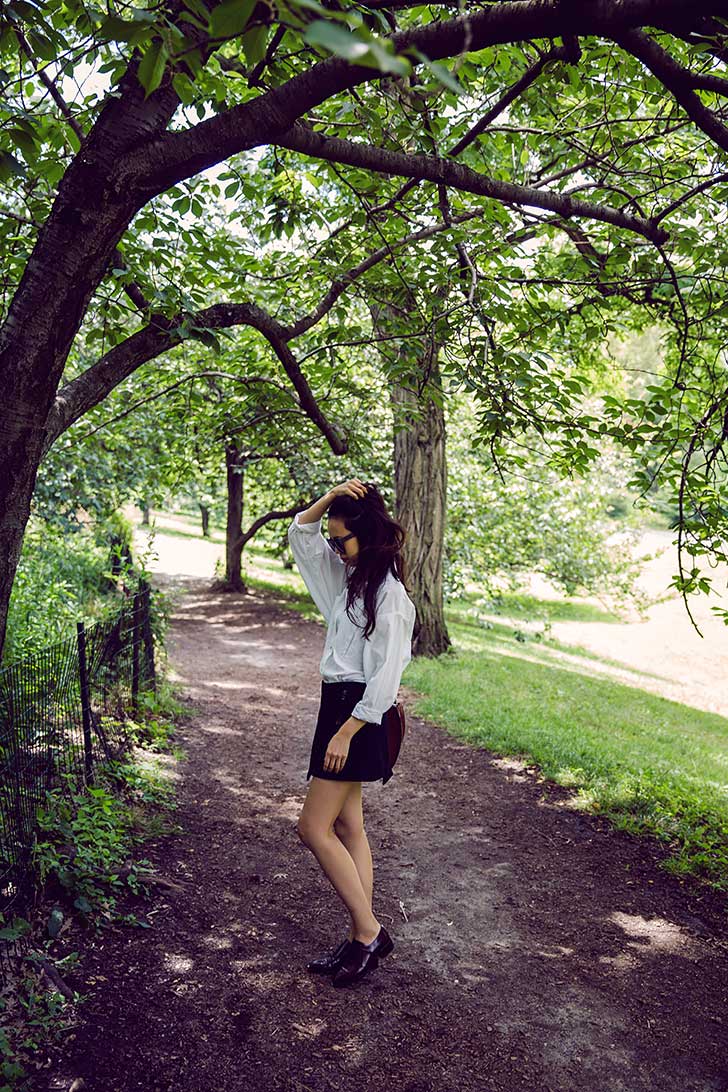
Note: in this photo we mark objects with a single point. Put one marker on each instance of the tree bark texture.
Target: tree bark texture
(420, 474)
(234, 529)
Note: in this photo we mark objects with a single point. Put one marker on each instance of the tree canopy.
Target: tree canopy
(509, 180)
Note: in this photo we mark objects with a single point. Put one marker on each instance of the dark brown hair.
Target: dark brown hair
(380, 539)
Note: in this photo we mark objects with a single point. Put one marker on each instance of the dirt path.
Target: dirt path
(535, 949)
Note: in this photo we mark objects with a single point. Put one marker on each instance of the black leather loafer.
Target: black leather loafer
(330, 963)
(362, 958)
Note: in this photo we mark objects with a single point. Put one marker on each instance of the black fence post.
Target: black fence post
(85, 703)
(135, 646)
(39, 737)
(147, 630)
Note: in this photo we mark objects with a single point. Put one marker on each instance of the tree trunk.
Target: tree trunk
(205, 517)
(234, 528)
(420, 469)
(20, 451)
(146, 513)
(420, 477)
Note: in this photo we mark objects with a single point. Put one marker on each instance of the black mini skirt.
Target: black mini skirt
(368, 758)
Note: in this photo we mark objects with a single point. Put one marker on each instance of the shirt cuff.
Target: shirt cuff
(367, 713)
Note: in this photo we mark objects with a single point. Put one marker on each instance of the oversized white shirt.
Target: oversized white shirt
(347, 657)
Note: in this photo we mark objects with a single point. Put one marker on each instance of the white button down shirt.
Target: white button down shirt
(347, 657)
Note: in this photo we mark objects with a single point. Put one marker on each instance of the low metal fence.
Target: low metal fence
(61, 713)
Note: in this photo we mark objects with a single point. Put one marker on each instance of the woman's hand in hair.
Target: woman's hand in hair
(352, 488)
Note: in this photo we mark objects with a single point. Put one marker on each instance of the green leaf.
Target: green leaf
(386, 61)
(41, 45)
(254, 45)
(184, 87)
(309, 5)
(18, 927)
(118, 30)
(21, 139)
(198, 8)
(207, 337)
(151, 67)
(10, 166)
(193, 61)
(55, 921)
(341, 42)
(231, 18)
(442, 74)
(23, 10)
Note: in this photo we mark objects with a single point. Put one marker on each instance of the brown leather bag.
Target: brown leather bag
(395, 726)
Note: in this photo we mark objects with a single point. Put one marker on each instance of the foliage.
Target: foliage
(93, 470)
(255, 233)
(33, 1017)
(65, 575)
(85, 858)
(61, 577)
(536, 520)
(85, 837)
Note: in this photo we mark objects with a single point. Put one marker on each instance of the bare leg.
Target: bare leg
(349, 827)
(324, 801)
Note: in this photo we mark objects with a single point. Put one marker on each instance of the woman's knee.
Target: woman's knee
(310, 832)
(326, 802)
(304, 832)
(348, 828)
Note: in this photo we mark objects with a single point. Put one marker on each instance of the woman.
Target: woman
(356, 578)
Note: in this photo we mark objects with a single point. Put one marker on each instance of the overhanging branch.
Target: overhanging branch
(81, 394)
(175, 156)
(428, 168)
(678, 80)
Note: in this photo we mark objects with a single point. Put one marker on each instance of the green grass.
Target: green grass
(650, 765)
(533, 608)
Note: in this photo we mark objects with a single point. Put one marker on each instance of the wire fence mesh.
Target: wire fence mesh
(61, 713)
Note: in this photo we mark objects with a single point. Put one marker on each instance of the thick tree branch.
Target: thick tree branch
(383, 161)
(287, 513)
(678, 80)
(509, 96)
(84, 392)
(81, 394)
(244, 380)
(132, 289)
(178, 155)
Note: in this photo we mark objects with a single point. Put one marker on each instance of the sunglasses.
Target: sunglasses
(337, 542)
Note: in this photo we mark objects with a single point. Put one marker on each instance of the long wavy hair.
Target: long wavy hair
(381, 540)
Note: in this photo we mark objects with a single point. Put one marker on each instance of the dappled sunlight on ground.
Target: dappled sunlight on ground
(655, 935)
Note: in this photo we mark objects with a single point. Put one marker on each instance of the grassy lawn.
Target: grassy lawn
(650, 765)
(532, 608)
